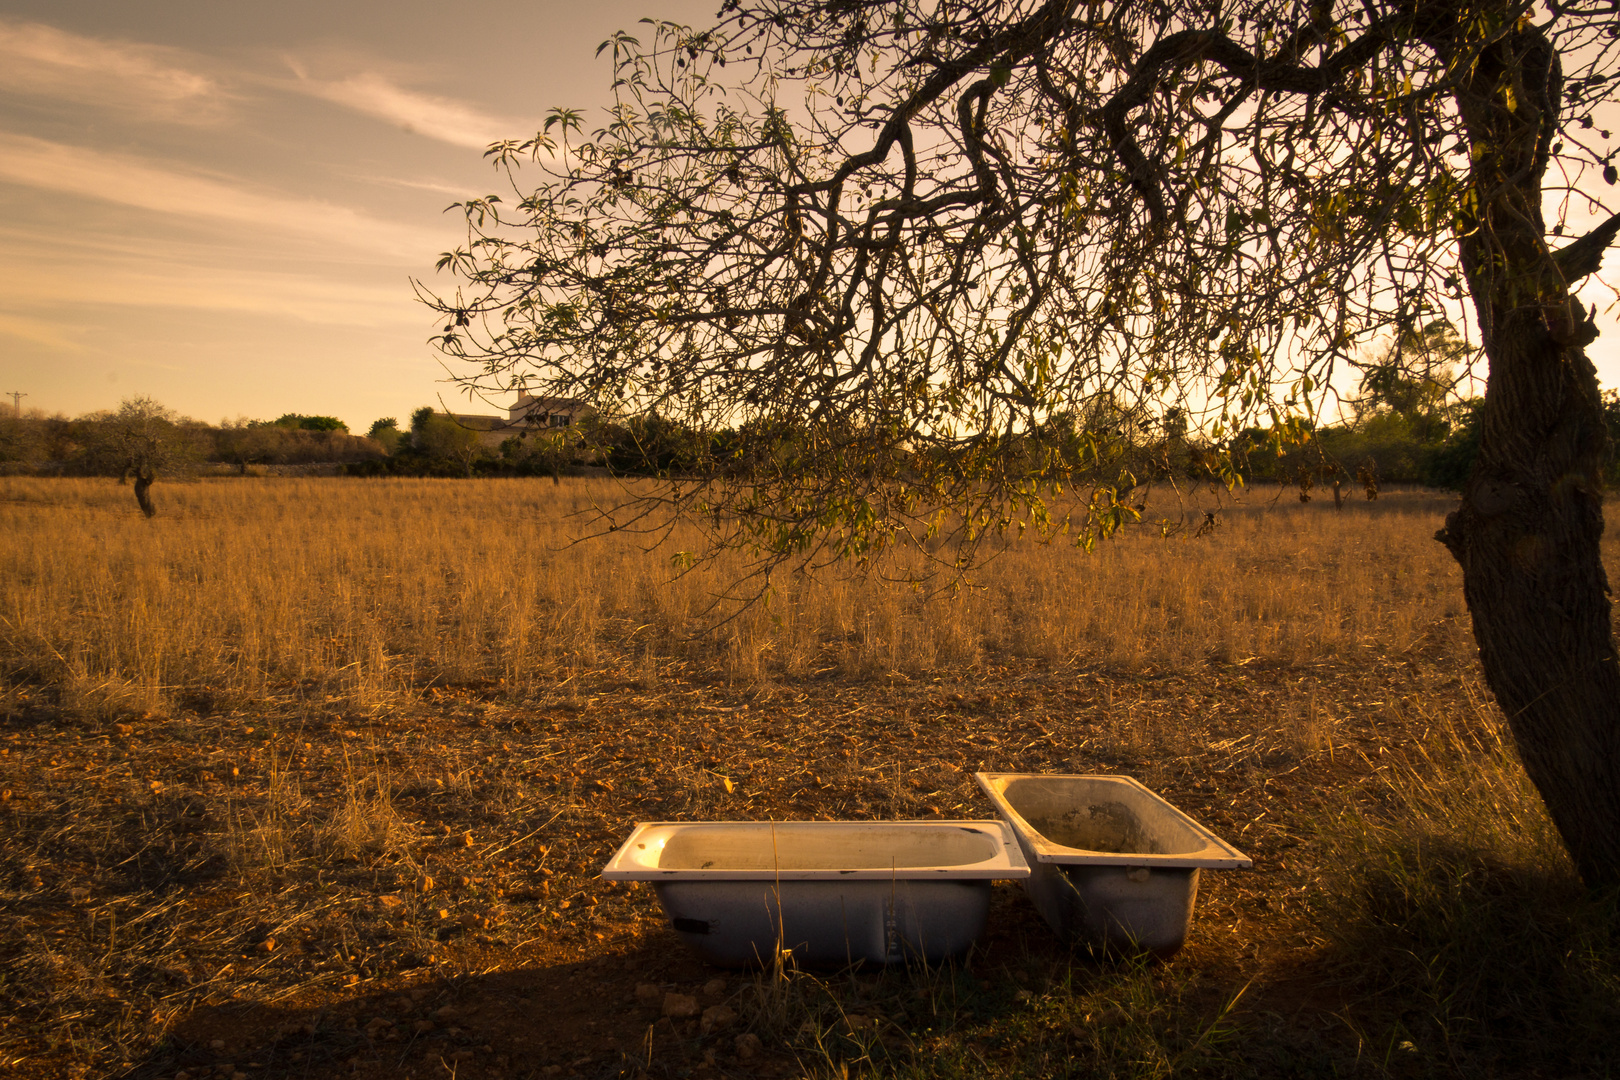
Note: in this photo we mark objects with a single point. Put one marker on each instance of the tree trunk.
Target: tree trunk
(1527, 532)
(143, 493)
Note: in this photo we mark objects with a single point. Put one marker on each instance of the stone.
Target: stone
(680, 1006)
(714, 988)
(716, 1017)
(649, 994)
(748, 1046)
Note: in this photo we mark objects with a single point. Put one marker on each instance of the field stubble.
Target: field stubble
(314, 775)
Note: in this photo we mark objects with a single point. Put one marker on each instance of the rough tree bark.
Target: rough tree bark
(1528, 528)
(143, 492)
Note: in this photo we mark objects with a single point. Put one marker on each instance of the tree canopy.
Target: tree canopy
(915, 233)
(301, 422)
(922, 227)
(142, 441)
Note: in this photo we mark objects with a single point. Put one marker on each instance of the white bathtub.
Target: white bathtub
(835, 893)
(1112, 865)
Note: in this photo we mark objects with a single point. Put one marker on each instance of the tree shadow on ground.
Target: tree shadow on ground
(598, 1016)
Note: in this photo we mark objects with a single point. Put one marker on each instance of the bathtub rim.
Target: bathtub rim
(1216, 854)
(1006, 864)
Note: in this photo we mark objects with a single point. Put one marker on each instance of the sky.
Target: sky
(222, 204)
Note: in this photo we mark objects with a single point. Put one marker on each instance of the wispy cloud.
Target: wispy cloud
(320, 298)
(445, 119)
(39, 331)
(440, 187)
(130, 181)
(42, 61)
(47, 281)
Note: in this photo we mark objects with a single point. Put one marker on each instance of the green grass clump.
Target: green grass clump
(1460, 925)
(1079, 1019)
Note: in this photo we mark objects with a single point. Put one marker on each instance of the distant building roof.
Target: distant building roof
(528, 406)
(483, 423)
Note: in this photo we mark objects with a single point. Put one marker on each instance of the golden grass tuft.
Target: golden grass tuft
(355, 592)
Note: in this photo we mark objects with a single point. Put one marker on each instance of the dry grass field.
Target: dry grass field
(312, 778)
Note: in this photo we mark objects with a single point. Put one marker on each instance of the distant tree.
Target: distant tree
(300, 422)
(142, 440)
(22, 439)
(1413, 376)
(244, 442)
(420, 418)
(386, 431)
(439, 436)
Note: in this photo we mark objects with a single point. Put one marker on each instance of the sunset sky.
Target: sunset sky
(221, 204)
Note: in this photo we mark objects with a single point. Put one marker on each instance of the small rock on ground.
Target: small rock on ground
(680, 1006)
(716, 1017)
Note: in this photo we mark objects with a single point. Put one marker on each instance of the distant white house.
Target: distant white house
(548, 411)
(527, 416)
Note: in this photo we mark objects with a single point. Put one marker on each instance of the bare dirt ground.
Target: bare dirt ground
(314, 778)
(485, 945)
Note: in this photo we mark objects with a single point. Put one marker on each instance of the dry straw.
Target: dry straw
(353, 592)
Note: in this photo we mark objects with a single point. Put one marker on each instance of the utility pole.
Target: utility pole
(16, 401)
